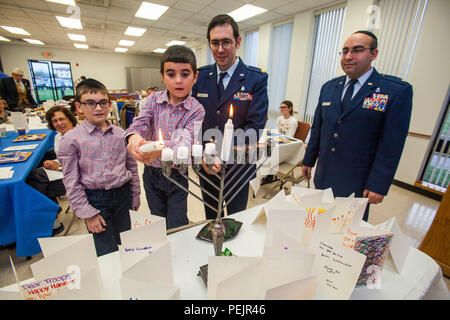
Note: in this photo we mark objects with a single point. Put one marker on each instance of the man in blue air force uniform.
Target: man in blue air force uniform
(360, 126)
(229, 81)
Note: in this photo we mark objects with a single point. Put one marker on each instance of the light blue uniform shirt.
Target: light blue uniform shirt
(358, 85)
(229, 72)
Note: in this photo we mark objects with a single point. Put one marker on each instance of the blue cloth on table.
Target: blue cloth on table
(25, 213)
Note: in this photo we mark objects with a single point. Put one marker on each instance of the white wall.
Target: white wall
(108, 68)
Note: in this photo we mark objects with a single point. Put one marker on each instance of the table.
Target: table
(421, 277)
(25, 213)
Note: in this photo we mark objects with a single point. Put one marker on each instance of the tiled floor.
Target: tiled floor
(414, 214)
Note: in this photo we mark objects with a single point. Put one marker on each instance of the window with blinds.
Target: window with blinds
(397, 28)
(328, 34)
(251, 48)
(278, 69)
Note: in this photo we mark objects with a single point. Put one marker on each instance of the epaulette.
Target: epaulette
(395, 79)
(206, 67)
(256, 69)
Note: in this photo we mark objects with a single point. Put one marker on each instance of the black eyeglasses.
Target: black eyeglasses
(354, 50)
(226, 44)
(91, 104)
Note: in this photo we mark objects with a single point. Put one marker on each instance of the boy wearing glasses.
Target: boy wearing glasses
(100, 177)
(360, 126)
(229, 81)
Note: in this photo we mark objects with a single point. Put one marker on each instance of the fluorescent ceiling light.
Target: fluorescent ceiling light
(175, 42)
(136, 32)
(81, 45)
(246, 12)
(69, 22)
(16, 30)
(4, 39)
(121, 49)
(76, 37)
(126, 43)
(159, 50)
(67, 2)
(34, 41)
(150, 11)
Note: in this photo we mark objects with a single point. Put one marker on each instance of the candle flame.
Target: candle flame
(161, 137)
(231, 111)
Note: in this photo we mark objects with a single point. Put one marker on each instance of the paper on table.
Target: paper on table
(21, 147)
(301, 195)
(279, 201)
(290, 221)
(399, 245)
(53, 175)
(19, 120)
(147, 261)
(6, 172)
(221, 268)
(16, 277)
(338, 268)
(61, 254)
(86, 289)
(144, 227)
(347, 211)
(144, 290)
(303, 289)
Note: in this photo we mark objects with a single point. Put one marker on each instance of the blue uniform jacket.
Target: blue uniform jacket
(361, 147)
(247, 91)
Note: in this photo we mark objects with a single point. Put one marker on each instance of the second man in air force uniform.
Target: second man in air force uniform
(360, 126)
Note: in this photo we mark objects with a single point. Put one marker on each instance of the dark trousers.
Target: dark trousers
(239, 203)
(38, 180)
(114, 206)
(165, 198)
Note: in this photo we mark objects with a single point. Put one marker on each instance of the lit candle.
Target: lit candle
(153, 146)
(167, 155)
(182, 153)
(227, 138)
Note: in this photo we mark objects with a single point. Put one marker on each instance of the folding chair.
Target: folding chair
(287, 172)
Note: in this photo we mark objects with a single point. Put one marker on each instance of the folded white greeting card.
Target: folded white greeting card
(144, 290)
(279, 201)
(289, 221)
(144, 227)
(147, 261)
(303, 289)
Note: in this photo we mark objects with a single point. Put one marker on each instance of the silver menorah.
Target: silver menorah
(243, 155)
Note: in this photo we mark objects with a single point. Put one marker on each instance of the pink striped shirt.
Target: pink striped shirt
(94, 159)
(157, 113)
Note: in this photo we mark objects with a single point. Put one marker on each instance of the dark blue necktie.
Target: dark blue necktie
(220, 86)
(348, 95)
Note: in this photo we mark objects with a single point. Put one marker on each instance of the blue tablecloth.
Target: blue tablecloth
(25, 213)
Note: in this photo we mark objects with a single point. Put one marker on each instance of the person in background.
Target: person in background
(360, 126)
(4, 114)
(170, 110)
(17, 91)
(101, 178)
(286, 123)
(47, 178)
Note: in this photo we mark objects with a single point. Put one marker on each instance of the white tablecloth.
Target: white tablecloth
(421, 277)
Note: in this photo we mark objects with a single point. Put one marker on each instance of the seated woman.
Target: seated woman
(47, 179)
(286, 123)
(4, 114)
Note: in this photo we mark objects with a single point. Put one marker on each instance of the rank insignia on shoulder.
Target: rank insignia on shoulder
(263, 71)
(243, 96)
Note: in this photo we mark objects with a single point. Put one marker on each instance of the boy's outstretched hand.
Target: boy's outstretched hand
(134, 142)
(96, 224)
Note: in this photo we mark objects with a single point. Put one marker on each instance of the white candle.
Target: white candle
(197, 150)
(152, 146)
(210, 148)
(167, 154)
(227, 141)
(182, 153)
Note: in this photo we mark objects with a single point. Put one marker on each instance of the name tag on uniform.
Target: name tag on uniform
(378, 102)
(202, 95)
(242, 96)
(326, 104)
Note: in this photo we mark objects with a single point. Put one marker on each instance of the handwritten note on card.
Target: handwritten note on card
(337, 267)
